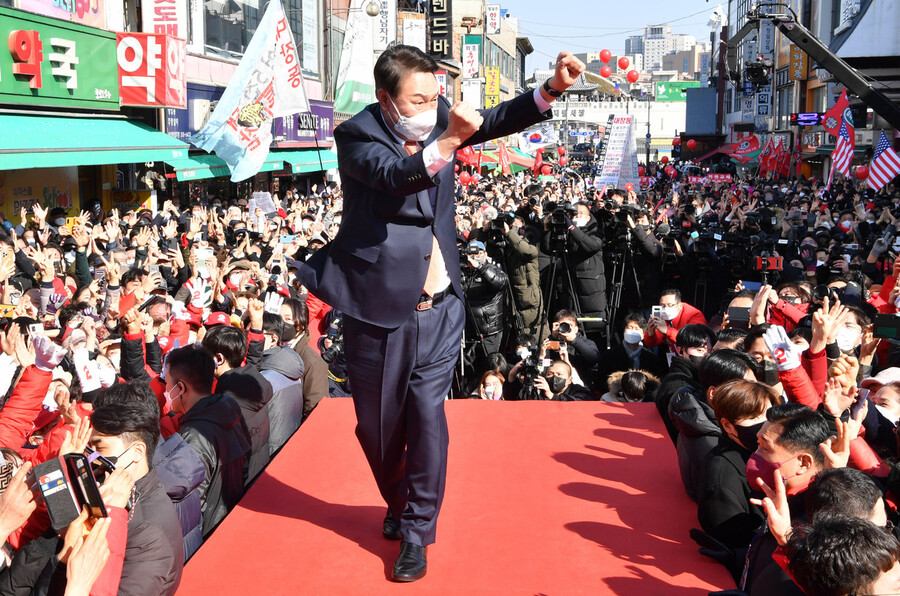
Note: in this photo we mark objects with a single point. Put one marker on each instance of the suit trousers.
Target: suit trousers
(400, 378)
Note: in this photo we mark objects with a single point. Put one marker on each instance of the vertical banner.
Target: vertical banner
(798, 63)
(472, 91)
(165, 16)
(267, 84)
(491, 86)
(355, 87)
(386, 25)
(503, 158)
(492, 19)
(441, 76)
(470, 60)
(440, 29)
(414, 33)
(310, 53)
(620, 165)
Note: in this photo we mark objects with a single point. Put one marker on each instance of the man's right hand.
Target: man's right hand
(465, 120)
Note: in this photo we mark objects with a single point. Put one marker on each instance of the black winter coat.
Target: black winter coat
(682, 373)
(485, 290)
(214, 429)
(585, 258)
(698, 434)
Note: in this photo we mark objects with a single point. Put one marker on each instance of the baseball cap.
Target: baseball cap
(474, 246)
(886, 376)
(217, 318)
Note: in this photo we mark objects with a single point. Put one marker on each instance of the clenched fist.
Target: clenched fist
(464, 121)
(568, 68)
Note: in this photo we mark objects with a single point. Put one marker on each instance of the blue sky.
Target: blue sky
(590, 25)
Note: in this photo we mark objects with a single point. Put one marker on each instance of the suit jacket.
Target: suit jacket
(375, 268)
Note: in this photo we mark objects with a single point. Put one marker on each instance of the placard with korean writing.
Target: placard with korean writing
(440, 29)
(798, 64)
(441, 76)
(385, 25)
(55, 63)
(151, 70)
(492, 80)
(492, 19)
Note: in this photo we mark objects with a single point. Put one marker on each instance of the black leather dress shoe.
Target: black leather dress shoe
(391, 527)
(410, 564)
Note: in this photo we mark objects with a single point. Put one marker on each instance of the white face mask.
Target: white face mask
(669, 313)
(580, 221)
(819, 263)
(632, 337)
(847, 339)
(887, 413)
(489, 391)
(415, 128)
(523, 353)
(235, 279)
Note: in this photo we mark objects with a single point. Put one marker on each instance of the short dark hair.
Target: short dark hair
(741, 399)
(273, 324)
(565, 313)
(840, 555)
(300, 312)
(636, 385)
(724, 365)
(228, 341)
(398, 61)
(694, 336)
(802, 429)
(732, 335)
(755, 334)
(841, 490)
(129, 419)
(194, 365)
(636, 317)
(671, 292)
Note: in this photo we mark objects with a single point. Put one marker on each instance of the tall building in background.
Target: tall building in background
(634, 45)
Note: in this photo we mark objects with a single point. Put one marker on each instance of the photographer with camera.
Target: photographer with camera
(575, 348)
(557, 384)
(484, 285)
(669, 318)
(520, 257)
(573, 238)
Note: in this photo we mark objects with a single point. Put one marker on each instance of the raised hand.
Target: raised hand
(776, 505)
(568, 69)
(785, 352)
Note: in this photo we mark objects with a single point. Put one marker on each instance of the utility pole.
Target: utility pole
(647, 163)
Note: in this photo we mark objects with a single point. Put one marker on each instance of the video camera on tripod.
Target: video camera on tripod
(532, 368)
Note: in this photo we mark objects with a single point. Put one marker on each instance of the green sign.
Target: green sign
(674, 91)
(49, 62)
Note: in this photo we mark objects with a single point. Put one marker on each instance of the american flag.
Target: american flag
(842, 154)
(885, 165)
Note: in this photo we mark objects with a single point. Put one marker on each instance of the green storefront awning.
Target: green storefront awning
(208, 165)
(52, 142)
(308, 160)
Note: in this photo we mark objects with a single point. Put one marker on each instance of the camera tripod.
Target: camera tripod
(622, 258)
(557, 254)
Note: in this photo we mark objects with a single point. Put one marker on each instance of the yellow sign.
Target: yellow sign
(128, 200)
(491, 101)
(492, 80)
(51, 187)
(798, 64)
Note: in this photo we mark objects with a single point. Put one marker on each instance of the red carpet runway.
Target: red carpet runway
(541, 498)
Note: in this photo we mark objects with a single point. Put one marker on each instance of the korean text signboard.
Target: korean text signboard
(470, 60)
(48, 62)
(492, 19)
(307, 129)
(166, 16)
(151, 70)
(85, 12)
(440, 29)
(491, 86)
(798, 64)
(620, 164)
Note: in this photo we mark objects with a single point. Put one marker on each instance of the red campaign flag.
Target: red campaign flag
(839, 112)
(503, 153)
(467, 156)
(885, 165)
(784, 166)
(764, 157)
(798, 158)
(538, 162)
(746, 150)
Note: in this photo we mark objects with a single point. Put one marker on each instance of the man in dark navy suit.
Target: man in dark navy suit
(393, 270)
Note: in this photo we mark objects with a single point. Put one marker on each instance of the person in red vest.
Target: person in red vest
(675, 315)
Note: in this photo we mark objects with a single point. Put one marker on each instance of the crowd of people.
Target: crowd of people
(177, 351)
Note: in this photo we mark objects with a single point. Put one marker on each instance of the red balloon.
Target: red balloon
(563, 160)
(691, 144)
(664, 159)
(670, 171)
(464, 178)
(862, 172)
(640, 170)
(623, 63)
(605, 71)
(561, 150)
(676, 141)
(605, 55)
(456, 168)
(546, 169)
(633, 76)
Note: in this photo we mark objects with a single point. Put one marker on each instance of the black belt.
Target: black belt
(426, 301)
